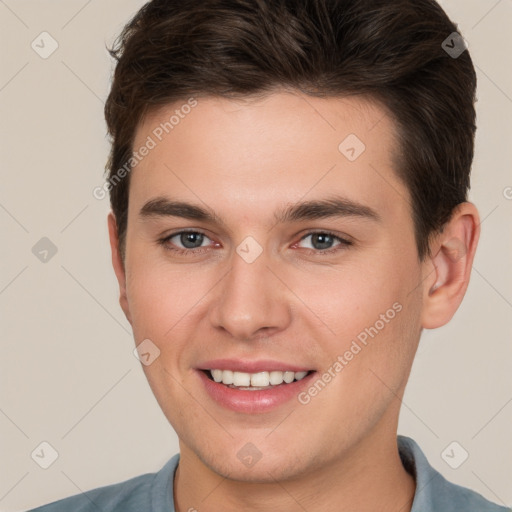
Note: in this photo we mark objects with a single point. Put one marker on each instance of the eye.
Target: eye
(322, 242)
(189, 240)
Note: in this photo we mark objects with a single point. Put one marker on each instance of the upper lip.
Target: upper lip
(247, 366)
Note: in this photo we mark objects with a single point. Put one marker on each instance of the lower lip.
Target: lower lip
(253, 401)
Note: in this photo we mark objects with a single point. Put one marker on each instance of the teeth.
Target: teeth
(261, 379)
(241, 379)
(276, 378)
(227, 377)
(217, 375)
(255, 380)
(288, 377)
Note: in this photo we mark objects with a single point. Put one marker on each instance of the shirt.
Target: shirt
(153, 492)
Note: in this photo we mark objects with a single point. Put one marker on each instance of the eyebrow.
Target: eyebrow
(331, 207)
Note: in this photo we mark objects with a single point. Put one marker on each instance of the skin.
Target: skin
(246, 159)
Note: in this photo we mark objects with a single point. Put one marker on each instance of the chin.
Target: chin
(247, 465)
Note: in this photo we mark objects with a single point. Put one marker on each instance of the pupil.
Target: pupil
(189, 239)
(321, 239)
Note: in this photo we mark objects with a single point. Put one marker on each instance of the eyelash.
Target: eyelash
(189, 252)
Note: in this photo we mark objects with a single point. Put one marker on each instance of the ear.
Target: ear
(118, 265)
(449, 269)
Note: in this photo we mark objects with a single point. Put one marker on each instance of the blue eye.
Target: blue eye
(322, 241)
(190, 239)
(192, 242)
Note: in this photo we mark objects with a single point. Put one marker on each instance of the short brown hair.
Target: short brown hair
(388, 50)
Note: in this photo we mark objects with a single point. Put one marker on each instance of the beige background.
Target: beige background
(68, 375)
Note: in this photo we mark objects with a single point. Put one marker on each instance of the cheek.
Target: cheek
(165, 299)
(353, 297)
(370, 316)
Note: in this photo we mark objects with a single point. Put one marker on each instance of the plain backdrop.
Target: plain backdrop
(68, 374)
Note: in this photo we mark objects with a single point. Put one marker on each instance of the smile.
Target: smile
(255, 390)
(255, 381)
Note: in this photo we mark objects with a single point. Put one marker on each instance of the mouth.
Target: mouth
(253, 387)
(259, 381)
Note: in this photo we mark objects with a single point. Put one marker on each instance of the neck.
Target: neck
(370, 476)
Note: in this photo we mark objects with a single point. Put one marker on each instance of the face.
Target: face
(298, 255)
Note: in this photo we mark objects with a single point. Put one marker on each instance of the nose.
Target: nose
(251, 302)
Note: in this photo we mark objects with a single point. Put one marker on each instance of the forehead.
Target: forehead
(256, 152)
(256, 119)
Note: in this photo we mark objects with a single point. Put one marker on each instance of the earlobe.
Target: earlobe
(448, 271)
(118, 264)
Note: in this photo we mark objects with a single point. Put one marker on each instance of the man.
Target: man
(288, 181)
